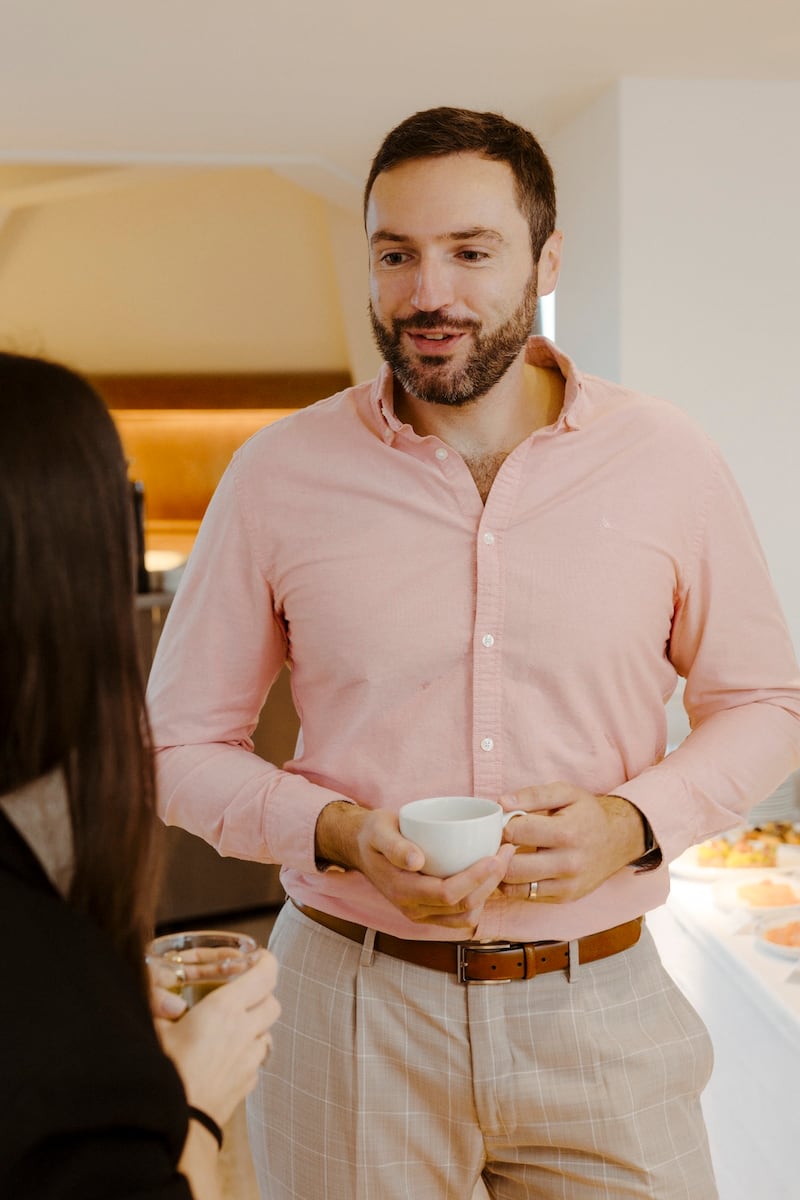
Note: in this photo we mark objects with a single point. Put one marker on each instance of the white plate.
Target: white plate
(727, 895)
(686, 866)
(792, 952)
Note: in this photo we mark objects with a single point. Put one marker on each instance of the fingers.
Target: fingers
(393, 864)
(542, 893)
(256, 986)
(539, 867)
(553, 816)
(532, 830)
(520, 831)
(542, 798)
(476, 899)
(250, 992)
(578, 845)
(166, 1004)
(161, 975)
(264, 972)
(458, 901)
(561, 875)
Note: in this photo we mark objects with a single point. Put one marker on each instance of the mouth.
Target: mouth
(434, 341)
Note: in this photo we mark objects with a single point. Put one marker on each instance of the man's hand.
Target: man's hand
(570, 841)
(370, 842)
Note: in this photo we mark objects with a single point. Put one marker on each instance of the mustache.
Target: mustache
(435, 320)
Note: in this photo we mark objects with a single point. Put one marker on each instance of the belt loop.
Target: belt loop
(367, 949)
(574, 961)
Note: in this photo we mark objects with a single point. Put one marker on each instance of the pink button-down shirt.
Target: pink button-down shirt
(439, 646)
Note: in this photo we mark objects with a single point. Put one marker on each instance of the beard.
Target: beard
(435, 379)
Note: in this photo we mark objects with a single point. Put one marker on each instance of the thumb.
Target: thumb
(505, 854)
(406, 855)
(387, 840)
(167, 1004)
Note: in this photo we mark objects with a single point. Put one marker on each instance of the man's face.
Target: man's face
(452, 278)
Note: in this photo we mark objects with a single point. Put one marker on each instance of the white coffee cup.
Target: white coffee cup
(453, 832)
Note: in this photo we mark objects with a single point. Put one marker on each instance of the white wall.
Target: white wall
(700, 304)
(586, 161)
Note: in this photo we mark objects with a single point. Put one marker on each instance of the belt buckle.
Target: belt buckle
(466, 948)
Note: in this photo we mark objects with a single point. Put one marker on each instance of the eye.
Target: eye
(393, 258)
(473, 256)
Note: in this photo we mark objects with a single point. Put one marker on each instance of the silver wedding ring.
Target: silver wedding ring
(533, 888)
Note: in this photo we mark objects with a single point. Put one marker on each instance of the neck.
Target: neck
(40, 812)
(527, 398)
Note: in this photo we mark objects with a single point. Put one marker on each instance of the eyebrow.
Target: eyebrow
(457, 235)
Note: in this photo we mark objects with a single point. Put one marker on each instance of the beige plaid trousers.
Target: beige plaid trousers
(389, 1081)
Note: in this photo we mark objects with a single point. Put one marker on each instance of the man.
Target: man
(486, 571)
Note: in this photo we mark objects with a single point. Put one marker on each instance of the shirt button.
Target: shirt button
(488, 539)
(487, 744)
(441, 454)
(487, 639)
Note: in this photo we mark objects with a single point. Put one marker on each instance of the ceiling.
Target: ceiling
(309, 87)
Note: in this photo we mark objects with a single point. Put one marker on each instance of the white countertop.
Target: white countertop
(730, 938)
(749, 998)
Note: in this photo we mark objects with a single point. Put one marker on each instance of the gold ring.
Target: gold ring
(533, 888)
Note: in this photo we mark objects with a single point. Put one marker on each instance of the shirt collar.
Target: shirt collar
(382, 404)
(543, 353)
(540, 353)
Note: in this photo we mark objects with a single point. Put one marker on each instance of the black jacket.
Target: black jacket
(90, 1107)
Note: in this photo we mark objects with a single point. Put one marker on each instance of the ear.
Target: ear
(549, 264)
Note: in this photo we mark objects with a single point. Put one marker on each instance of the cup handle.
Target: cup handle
(518, 812)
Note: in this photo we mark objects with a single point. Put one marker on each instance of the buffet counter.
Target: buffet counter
(749, 997)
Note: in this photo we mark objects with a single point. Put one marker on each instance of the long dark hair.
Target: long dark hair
(436, 132)
(71, 686)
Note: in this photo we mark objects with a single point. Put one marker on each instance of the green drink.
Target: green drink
(194, 963)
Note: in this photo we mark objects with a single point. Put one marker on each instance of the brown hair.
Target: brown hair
(437, 132)
(71, 687)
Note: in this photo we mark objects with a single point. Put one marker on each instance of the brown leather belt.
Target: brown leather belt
(487, 962)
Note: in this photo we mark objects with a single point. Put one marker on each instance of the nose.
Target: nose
(433, 287)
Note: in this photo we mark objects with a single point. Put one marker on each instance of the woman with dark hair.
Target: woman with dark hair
(93, 1107)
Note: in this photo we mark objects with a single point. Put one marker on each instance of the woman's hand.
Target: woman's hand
(219, 1044)
(163, 1002)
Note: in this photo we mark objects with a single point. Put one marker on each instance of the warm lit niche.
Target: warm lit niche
(180, 431)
